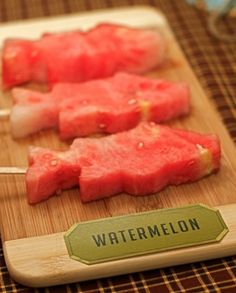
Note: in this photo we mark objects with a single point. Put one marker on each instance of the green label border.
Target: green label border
(220, 236)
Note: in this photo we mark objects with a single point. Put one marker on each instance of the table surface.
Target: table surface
(214, 63)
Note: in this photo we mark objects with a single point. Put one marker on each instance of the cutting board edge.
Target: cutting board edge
(23, 268)
(44, 261)
(32, 28)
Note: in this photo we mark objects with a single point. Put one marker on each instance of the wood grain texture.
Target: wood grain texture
(44, 261)
(20, 220)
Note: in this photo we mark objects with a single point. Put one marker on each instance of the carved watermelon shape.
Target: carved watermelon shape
(139, 162)
(79, 56)
(101, 106)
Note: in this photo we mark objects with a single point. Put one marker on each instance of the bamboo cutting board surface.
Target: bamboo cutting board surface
(20, 220)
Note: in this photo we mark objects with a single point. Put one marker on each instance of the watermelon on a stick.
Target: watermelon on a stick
(139, 162)
(79, 56)
(106, 105)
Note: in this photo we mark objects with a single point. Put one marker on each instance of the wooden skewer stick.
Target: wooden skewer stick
(12, 170)
(5, 113)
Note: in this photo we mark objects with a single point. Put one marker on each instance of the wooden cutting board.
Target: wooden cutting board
(32, 236)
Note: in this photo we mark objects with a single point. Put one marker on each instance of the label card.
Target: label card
(149, 232)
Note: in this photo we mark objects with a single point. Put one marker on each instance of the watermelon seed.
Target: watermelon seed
(140, 145)
(152, 124)
(199, 146)
(47, 156)
(132, 101)
(53, 163)
(102, 125)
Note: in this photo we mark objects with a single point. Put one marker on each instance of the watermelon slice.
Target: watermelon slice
(139, 162)
(101, 106)
(79, 56)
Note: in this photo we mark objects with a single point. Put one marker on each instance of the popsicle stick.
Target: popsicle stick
(5, 113)
(12, 170)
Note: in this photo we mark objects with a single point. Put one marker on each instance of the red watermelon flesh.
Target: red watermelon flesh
(79, 56)
(100, 106)
(69, 61)
(102, 109)
(15, 57)
(55, 172)
(139, 162)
